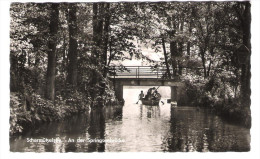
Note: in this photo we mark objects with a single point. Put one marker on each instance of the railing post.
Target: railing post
(114, 72)
(157, 72)
(138, 72)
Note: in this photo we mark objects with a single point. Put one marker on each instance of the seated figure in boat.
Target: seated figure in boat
(153, 90)
(156, 95)
(149, 93)
(140, 97)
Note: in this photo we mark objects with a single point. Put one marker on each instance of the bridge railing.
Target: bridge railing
(137, 72)
(153, 72)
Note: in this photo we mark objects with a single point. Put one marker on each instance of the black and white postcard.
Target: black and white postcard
(132, 76)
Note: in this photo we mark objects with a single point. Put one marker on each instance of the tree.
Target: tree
(73, 45)
(51, 68)
(243, 13)
(28, 44)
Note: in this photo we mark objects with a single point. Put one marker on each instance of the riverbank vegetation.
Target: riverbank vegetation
(57, 64)
(207, 46)
(60, 54)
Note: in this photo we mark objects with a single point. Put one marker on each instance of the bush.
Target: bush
(15, 113)
(216, 92)
(27, 110)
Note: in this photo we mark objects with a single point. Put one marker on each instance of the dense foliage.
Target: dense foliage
(200, 42)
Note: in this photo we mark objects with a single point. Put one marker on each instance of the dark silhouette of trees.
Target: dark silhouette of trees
(51, 67)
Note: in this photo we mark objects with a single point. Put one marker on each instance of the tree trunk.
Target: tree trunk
(51, 68)
(180, 49)
(209, 68)
(166, 59)
(174, 54)
(94, 55)
(73, 53)
(98, 9)
(106, 37)
(98, 49)
(202, 54)
(188, 48)
(247, 43)
(245, 68)
(189, 43)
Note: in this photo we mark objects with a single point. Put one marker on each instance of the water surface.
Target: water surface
(136, 127)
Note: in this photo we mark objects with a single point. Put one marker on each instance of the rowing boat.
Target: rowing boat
(152, 102)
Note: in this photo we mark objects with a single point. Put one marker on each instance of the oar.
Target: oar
(158, 87)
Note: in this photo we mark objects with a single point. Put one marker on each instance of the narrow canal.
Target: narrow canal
(136, 127)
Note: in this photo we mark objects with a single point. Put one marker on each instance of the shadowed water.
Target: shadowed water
(136, 127)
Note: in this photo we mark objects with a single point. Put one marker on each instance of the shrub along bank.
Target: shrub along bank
(221, 94)
(28, 110)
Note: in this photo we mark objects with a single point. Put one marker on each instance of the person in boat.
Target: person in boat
(156, 95)
(149, 93)
(153, 90)
(140, 97)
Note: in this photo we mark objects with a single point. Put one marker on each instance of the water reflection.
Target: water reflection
(149, 111)
(143, 128)
(96, 130)
(203, 131)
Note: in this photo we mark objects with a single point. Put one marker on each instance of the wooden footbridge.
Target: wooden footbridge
(144, 76)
